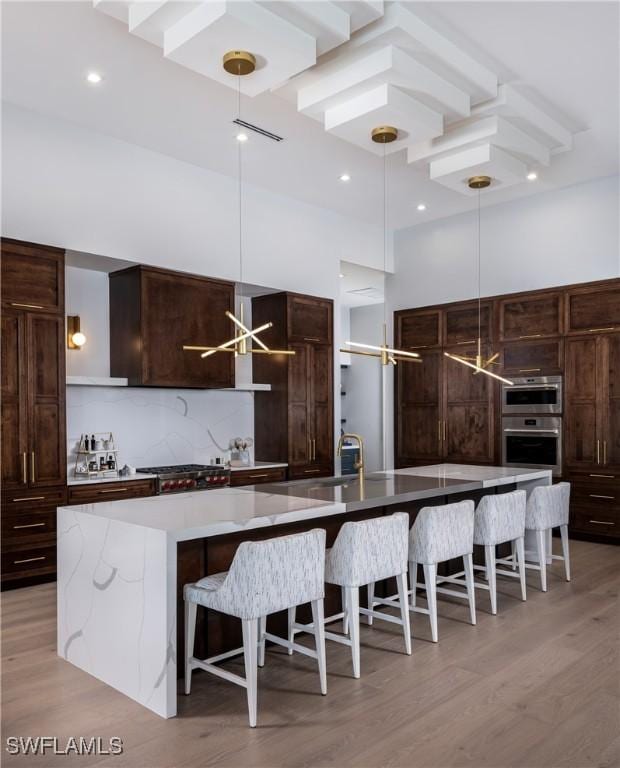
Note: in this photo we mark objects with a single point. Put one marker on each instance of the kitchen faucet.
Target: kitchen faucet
(359, 464)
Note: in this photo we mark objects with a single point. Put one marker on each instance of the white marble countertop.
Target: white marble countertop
(197, 514)
(260, 465)
(488, 476)
(96, 480)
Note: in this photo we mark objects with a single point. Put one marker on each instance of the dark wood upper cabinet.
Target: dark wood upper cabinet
(611, 401)
(530, 316)
(533, 357)
(14, 400)
(154, 312)
(593, 309)
(418, 329)
(309, 319)
(461, 323)
(582, 412)
(33, 276)
(294, 422)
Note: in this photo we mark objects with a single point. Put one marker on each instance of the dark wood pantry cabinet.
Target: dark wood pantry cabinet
(34, 459)
(154, 312)
(294, 422)
(445, 413)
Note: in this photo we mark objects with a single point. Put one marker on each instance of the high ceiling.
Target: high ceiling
(563, 56)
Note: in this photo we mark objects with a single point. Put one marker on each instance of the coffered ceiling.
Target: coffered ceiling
(501, 88)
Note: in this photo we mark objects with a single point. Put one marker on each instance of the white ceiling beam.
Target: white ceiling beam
(329, 24)
(386, 65)
(510, 103)
(454, 170)
(149, 19)
(361, 12)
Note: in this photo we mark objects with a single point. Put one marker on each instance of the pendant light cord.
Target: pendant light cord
(384, 235)
(479, 311)
(239, 171)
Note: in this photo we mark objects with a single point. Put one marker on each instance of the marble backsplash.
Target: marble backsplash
(159, 426)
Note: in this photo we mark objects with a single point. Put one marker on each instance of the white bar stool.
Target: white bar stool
(365, 552)
(548, 508)
(439, 534)
(500, 518)
(264, 577)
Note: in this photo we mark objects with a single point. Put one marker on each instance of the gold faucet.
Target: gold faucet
(359, 464)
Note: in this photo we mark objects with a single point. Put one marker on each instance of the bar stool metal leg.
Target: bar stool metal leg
(353, 606)
(542, 558)
(318, 620)
(413, 580)
(345, 610)
(291, 633)
(430, 584)
(250, 648)
(190, 632)
(521, 557)
(468, 561)
(262, 628)
(565, 550)
(371, 597)
(489, 557)
(401, 581)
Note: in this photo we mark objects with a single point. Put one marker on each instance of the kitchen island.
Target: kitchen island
(121, 564)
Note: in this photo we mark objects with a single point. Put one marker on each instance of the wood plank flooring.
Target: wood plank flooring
(537, 686)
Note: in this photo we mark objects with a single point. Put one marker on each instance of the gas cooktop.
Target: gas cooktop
(188, 477)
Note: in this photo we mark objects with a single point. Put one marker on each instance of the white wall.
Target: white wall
(363, 398)
(66, 186)
(87, 295)
(549, 239)
(553, 238)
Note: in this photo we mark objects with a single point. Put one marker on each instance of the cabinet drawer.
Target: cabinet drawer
(603, 494)
(256, 476)
(304, 472)
(533, 358)
(33, 499)
(91, 494)
(599, 522)
(34, 560)
(28, 525)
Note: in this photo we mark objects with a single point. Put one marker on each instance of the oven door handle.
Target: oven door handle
(532, 387)
(534, 431)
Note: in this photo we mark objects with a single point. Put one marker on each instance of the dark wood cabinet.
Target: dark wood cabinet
(533, 357)
(294, 422)
(92, 493)
(582, 416)
(34, 454)
(257, 476)
(442, 411)
(419, 330)
(33, 276)
(154, 312)
(593, 308)
(530, 316)
(460, 324)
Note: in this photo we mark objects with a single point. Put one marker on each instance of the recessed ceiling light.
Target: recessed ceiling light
(532, 176)
(94, 78)
(242, 136)
(341, 274)
(345, 177)
(421, 207)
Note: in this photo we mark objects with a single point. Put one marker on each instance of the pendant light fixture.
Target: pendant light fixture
(239, 64)
(478, 363)
(383, 134)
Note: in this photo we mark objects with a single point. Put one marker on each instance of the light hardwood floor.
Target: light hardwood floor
(536, 686)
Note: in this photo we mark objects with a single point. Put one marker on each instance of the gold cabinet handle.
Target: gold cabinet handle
(531, 336)
(112, 490)
(600, 522)
(598, 451)
(311, 471)
(529, 370)
(309, 453)
(31, 498)
(439, 430)
(594, 330)
(604, 451)
(314, 448)
(26, 306)
(311, 338)
(32, 473)
(600, 496)
(29, 525)
(28, 560)
(24, 468)
(609, 477)
(255, 477)
(444, 431)
(469, 341)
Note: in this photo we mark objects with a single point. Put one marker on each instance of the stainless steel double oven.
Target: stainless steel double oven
(532, 423)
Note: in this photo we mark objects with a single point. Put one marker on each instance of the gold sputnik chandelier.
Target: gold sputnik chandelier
(384, 134)
(240, 63)
(478, 362)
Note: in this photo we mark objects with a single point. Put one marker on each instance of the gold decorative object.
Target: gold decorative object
(384, 134)
(75, 338)
(478, 363)
(239, 63)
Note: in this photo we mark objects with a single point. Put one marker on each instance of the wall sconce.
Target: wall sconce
(75, 337)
